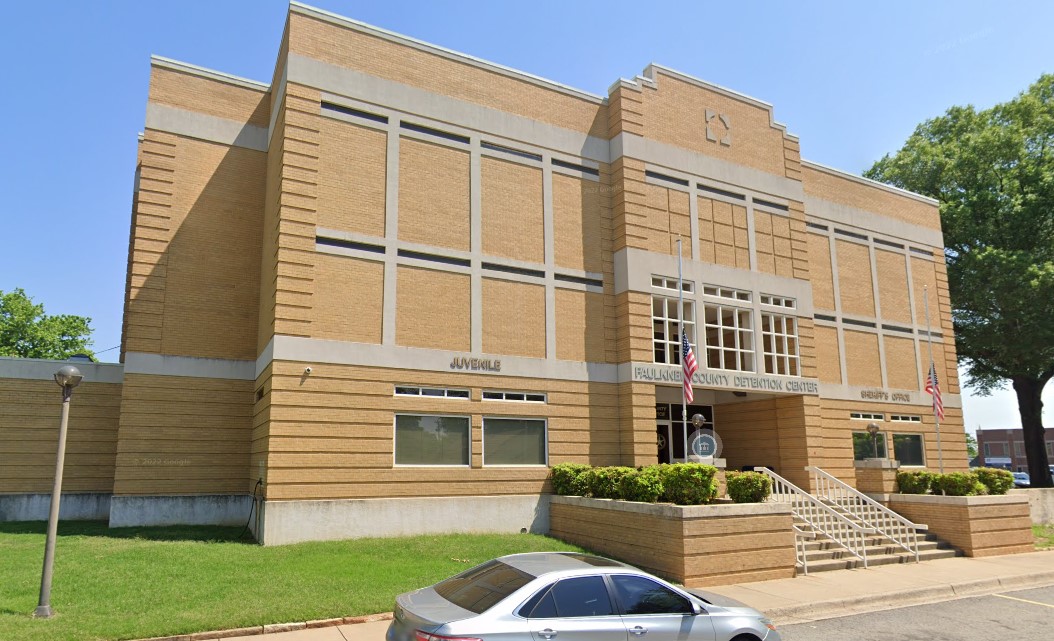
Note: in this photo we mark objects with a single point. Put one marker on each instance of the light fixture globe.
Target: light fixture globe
(68, 376)
(698, 420)
(872, 429)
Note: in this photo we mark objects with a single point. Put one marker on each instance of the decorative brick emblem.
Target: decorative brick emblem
(718, 128)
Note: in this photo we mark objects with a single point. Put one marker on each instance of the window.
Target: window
(431, 440)
(777, 301)
(666, 328)
(671, 283)
(988, 450)
(478, 589)
(907, 448)
(435, 392)
(513, 441)
(866, 416)
(584, 596)
(1019, 448)
(901, 418)
(524, 397)
(639, 595)
(779, 343)
(863, 447)
(729, 338)
(727, 292)
(1050, 449)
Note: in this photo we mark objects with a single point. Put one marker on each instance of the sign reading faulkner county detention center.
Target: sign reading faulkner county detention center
(744, 381)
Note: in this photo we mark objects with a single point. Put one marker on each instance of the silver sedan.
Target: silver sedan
(556, 596)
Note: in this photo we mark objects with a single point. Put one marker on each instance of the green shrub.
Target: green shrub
(748, 487)
(915, 482)
(688, 483)
(643, 485)
(958, 484)
(567, 479)
(995, 480)
(604, 482)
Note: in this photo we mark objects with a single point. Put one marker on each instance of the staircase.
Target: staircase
(838, 528)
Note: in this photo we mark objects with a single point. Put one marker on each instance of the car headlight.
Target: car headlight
(767, 623)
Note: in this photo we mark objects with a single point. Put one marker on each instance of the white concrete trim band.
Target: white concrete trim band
(205, 127)
(44, 370)
(162, 365)
(285, 522)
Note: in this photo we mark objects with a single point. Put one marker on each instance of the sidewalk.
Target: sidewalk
(804, 598)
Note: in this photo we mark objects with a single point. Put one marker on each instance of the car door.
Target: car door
(574, 609)
(652, 611)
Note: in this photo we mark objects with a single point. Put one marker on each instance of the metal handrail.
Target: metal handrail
(867, 511)
(819, 516)
(799, 547)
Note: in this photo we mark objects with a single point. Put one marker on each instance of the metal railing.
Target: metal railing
(800, 536)
(867, 511)
(821, 517)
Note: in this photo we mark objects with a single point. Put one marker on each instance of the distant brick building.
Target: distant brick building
(1006, 448)
(398, 280)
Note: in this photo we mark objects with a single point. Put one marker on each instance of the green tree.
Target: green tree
(993, 172)
(27, 332)
(971, 446)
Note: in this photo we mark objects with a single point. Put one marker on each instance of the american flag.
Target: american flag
(688, 367)
(934, 388)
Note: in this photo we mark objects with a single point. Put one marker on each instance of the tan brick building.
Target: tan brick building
(388, 289)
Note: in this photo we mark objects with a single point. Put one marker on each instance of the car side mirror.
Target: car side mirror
(697, 609)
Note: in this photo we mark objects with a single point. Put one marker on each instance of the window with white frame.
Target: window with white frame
(434, 392)
(728, 292)
(987, 450)
(864, 446)
(908, 449)
(523, 397)
(729, 335)
(1050, 449)
(777, 301)
(666, 328)
(1019, 448)
(513, 441)
(779, 344)
(904, 418)
(663, 282)
(422, 439)
(866, 416)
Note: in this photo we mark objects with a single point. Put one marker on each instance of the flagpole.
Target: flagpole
(933, 395)
(684, 400)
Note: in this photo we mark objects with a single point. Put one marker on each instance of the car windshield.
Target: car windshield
(479, 589)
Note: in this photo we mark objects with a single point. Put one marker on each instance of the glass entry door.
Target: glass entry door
(671, 436)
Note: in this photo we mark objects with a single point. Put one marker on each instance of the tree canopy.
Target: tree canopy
(27, 332)
(993, 172)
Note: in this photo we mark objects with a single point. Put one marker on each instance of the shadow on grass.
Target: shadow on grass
(203, 533)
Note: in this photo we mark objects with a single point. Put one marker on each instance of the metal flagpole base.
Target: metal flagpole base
(43, 612)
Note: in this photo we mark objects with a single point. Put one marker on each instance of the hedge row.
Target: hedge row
(984, 480)
(679, 483)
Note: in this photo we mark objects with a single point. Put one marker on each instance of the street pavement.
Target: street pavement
(814, 597)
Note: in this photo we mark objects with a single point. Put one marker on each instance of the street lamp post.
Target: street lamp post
(67, 378)
(872, 429)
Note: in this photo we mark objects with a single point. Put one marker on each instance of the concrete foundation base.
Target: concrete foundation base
(37, 507)
(210, 509)
(284, 522)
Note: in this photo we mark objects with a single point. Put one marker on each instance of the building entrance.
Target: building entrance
(671, 434)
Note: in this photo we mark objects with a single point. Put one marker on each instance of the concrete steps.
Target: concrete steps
(823, 554)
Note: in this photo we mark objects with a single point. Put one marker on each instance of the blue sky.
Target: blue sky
(851, 79)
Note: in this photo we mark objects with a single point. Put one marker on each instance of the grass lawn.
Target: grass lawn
(1044, 536)
(131, 583)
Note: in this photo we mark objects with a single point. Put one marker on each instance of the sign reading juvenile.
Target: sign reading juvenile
(731, 381)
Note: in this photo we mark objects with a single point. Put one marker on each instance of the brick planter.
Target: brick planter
(696, 545)
(977, 525)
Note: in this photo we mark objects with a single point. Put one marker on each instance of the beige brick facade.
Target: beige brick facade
(389, 215)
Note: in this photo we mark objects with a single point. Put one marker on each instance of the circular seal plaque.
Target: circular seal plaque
(705, 443)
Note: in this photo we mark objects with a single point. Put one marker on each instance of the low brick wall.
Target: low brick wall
(696, 546)
(977, 525)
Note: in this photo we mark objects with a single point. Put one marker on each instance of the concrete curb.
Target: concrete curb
(913, 596)
(273, 628)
